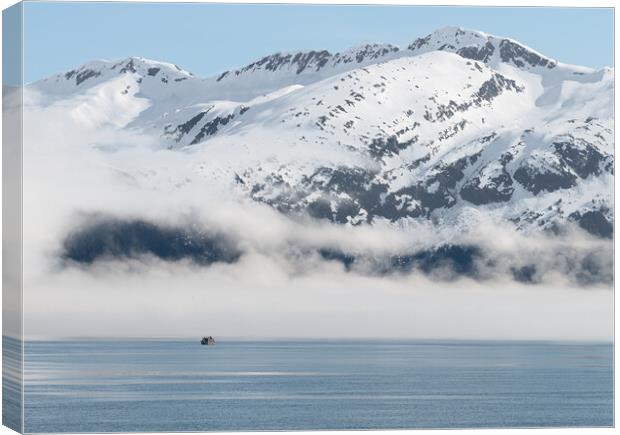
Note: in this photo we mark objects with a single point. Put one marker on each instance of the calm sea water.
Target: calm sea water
(109, 386)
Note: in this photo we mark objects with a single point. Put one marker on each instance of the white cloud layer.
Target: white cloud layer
(269, 292)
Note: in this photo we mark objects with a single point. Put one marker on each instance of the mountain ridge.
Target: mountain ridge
(457, 121)
(438, 40)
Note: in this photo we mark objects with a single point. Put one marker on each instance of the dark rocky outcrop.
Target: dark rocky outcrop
(300, 61)
(584, 158)
(111, 238)
(537, 179)
(457, 259)
(594, 222)
(211, 127)
(498, 189)
(130, 66)
(182, 129)
(85, 75)
(494, 86)
(380, 148)
(449, 260)
(330, 254)
(481, 53)
(510, 51)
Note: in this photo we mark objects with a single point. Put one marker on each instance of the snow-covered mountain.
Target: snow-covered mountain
(457, 125)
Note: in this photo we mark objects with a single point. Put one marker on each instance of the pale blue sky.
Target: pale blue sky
(210, 38)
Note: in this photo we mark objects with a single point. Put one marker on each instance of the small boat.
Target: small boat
(207, 341)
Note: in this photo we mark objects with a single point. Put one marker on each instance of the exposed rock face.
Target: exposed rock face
(597, 222)
(111, 238)
(356, 195)
(314, 61)
(182, 129)
(482, 53)
(493, 87)
(510, 51)
(544, 172)
(482, 47)
(451, 261)
(581, 156)
(211, 127)
(299, 61)
(82, 75)
(493, 184)
(199, 132)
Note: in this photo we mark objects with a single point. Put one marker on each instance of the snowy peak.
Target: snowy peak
(482, 47)
(277, 71)
(305, 67)
(457, 121)
(469, 44)
(99, 71)
(148, 67)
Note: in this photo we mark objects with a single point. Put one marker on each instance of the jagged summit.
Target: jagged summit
(482, 47)
(268, 73)
(142, 63)
(99, 71)
(132, 64)
(303, 67)
(314, 61)
(365, 52)
(292, 62)
(470, 44)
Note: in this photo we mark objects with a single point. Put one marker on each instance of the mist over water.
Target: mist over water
(144, 267)
(234, 268)
(136, 241)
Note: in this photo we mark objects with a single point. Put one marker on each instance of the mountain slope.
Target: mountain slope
(458, 124)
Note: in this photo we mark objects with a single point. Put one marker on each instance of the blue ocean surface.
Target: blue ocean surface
(161, 385)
